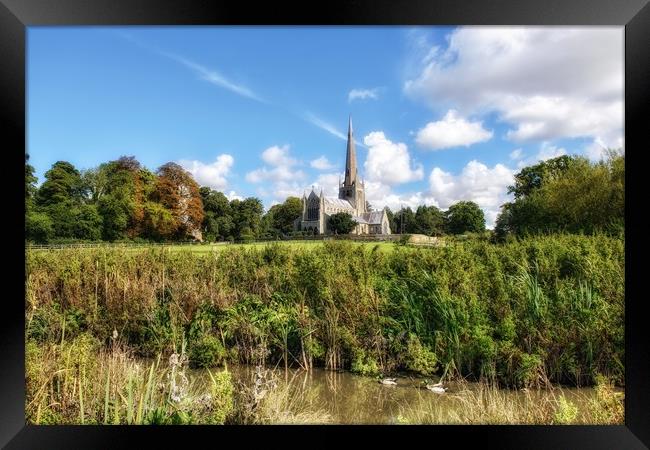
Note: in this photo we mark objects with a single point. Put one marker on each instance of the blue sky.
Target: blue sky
(440, 114)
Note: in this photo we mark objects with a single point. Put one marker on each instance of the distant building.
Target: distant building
(317, 209)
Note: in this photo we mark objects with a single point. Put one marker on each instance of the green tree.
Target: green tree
(87, 223)
(582, 197)
(532, 177)
(158, 223)
(283, 216)
(341, 223)
(217, 220)
(62, 185)
(429, 220)
(404, 221)
(465, 216)
(30, 181)
(38, 227)
(247, 216)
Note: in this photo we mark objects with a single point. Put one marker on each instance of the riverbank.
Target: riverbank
(77, 383)
(522, 314)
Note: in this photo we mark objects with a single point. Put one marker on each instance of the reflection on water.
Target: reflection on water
(349, 398)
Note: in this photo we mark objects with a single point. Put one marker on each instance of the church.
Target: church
(317, 208)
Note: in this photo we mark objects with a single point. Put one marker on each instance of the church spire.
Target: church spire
(351, 158)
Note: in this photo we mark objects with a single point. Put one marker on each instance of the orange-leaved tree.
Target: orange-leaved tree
(177, 191)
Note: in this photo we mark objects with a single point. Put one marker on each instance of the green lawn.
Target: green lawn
(384, 246)
(207, 248)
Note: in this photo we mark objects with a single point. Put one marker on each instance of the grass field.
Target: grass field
(208, 248)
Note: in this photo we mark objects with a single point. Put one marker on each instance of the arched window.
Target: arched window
(312, 211)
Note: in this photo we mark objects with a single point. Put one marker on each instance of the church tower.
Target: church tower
(351, 190)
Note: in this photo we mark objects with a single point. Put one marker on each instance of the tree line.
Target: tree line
(122, 200)
(567, 194)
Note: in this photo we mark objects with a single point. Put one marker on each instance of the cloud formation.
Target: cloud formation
(476, 182)
(281, 167)
(213, 174)
(321, 163)
(363, 94)
(546, 82)
(452, 131)
(389, 162)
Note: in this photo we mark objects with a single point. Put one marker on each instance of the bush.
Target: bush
(547, 306)
(420, 359)
(404, 239)
(566, 412)
(208, 351)
(609, 406)
(364, 364)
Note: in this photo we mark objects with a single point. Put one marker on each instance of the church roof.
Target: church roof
(374, 217)
(338, 202)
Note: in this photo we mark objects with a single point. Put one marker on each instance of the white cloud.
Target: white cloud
(389, 162)
(548, 151)
(476, 182)
(452, 131)
(321, 163)
(547, 82)
(395, 201)
(278, 156)
(363, 94)
(517, 154)
(212, 175)
(596, 150)
(232, 195)
(282, 167)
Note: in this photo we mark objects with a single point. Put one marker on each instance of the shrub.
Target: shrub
(208, 351)
(566, 411)
(403, 239)
(220, 402)
(528, 371)
(420, 359)
(609, 406)
(364, 364)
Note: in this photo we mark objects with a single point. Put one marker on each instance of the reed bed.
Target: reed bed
(527, 313)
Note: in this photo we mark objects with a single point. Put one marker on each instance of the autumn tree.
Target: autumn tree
(177, 191)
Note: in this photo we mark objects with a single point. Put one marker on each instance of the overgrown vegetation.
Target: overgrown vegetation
(525, 313)
(489, 405)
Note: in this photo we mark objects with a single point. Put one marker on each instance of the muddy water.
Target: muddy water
(346, 398)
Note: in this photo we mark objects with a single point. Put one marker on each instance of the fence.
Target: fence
(356, 238)
(120, 245)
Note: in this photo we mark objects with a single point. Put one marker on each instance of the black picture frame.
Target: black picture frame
(16, 15)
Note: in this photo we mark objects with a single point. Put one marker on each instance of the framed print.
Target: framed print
(407, 217)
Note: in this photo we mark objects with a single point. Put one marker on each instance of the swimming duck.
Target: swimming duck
(388, 381)
(437, 388)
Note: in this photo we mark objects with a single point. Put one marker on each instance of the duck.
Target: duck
(437, 388)
(388, 381)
